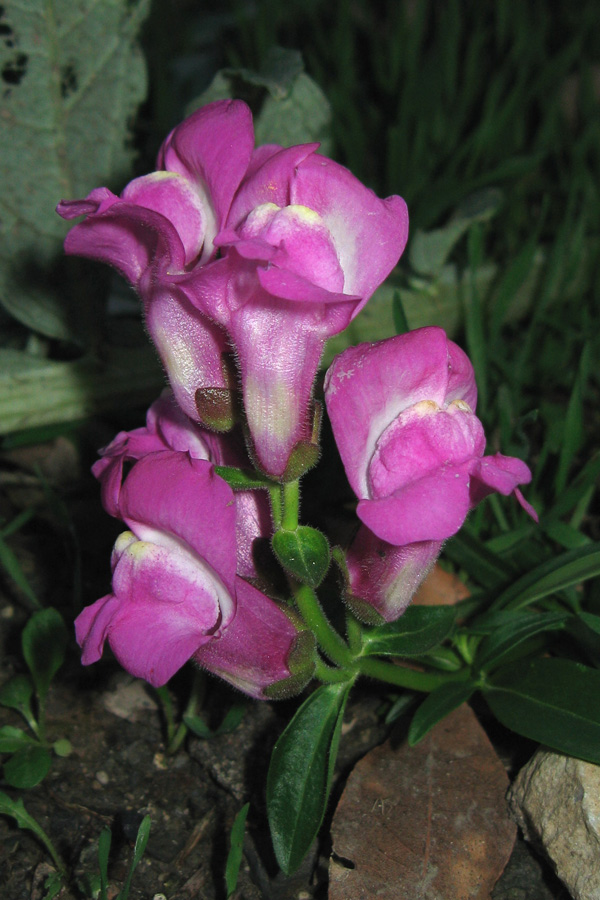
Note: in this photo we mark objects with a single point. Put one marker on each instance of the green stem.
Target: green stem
(290, 498)
(354, 633)
(331, 676)
(276, 495)
(407, 678)
(328, 638)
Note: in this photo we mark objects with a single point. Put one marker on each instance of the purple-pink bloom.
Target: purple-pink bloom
(304, 247)
(173, 572)
(176, 590)
(168, 428)
(403, 417)
(163, 226)
(382, 578)
(263, 652)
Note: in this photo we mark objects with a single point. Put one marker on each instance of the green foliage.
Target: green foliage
(300, 773)
(229, 723)
(73, 78)
(16, 810)
(419, 630)
(234, 857)
(44, 643)
(289, 107)
(552, 701)
(437, 706)
(304, 553)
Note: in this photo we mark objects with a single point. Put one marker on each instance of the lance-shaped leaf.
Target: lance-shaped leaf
(515, 630)
(552, 701)
(552, 576)
(44, 642)
(300, 773)
(304, 553)
(418, 631)
(439, 704)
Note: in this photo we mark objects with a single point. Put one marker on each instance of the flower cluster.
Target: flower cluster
(246, 261)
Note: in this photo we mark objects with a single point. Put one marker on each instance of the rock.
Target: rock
(556, 801)
(426, 822)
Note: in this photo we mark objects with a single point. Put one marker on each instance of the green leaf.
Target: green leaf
(574, 430)
(198, 727)
(11, 565)
(44, 641)
(419, 630)
(401, 325)
(53, 886)
(13, 739)
(300, 773)
(28, 766)
(304, 553)
(428, 251)
(552, 701)
(76, 79)
(234, 857)
(17, 811)
(290, 108)
(486, 567)
(242, 479)
(591, 621)
(552, 576)
(138, 851)
(17, 693)
(232, 718)
(516, 629)
(437, 706)
(104, 842)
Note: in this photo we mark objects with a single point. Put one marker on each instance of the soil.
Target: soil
(118, 770)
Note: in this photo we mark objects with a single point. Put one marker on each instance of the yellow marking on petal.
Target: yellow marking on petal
(304, 213)
(425, 408)
(125, 539)
(460, 405)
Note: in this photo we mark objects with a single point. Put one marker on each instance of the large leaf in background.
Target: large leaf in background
(289, 107)
(72, 80)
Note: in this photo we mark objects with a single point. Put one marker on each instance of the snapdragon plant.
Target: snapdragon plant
(247, 260)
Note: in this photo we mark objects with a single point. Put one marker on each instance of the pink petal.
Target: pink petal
(430, 509)
(421, 440)
(190, 345)
(369, 234)
(269, 182)
(368, 386)
(212, 148)
(170, 495)
(175, 198)
(384, 577)
(254, 652)
(503, 474)
(129, 237)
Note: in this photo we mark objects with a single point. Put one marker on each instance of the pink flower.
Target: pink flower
(403, 417)
(175, 589)
(163, 225)
(383, 578)
(304, 247)
(173, 572)
(168, 428)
